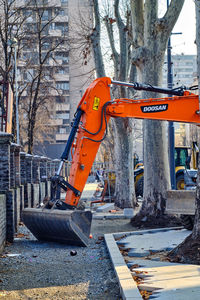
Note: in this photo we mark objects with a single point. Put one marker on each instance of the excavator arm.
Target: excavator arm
(88, 131)
(96, 108)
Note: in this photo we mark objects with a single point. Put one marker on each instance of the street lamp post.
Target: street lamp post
(171, 124)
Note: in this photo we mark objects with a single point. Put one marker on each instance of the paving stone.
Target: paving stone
(167, 280)
(151, 240)
(106, 207)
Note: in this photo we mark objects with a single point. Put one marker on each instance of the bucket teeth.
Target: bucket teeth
(62, 226)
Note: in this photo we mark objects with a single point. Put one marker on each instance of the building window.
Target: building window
(188, 63)
(62, 130)
(63, 27)
(46, 45)
(60, 12)
(63, 57)
(66, 121)
(45, 15)
(62, 86)
(60, 99)
(62, 114)
(60, 142)
(60, 71)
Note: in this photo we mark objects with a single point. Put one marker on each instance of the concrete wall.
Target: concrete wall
(24, 182)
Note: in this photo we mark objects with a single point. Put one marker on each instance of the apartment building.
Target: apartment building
(184, 68)
(64, 67)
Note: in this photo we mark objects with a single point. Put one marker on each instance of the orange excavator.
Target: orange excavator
(61, 221)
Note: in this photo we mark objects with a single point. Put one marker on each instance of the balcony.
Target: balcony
(62, 107)
(61, 77)
(54, 92)
(55, 33)
(62, 19)
(62, 137)
(55, 122)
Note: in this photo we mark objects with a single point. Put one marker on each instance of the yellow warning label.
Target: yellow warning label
(96, 103)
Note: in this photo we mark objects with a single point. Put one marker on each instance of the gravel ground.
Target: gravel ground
(36, 270)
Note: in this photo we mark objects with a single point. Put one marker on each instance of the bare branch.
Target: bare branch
(95, 40)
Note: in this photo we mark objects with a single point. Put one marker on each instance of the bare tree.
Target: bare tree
(150, 36)
(11, 34)
(37, 71)
(116, 22)
(141, 42)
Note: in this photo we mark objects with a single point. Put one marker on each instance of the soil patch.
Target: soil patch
(187, 252)
(146, 222)
(30, 269)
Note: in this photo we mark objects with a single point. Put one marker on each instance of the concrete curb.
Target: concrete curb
(128, 287)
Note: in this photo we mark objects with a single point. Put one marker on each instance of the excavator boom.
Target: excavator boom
(88, 130)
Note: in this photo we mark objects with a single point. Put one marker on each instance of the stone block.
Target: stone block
(2, 221)
(27, 195)
(36, 169)
(17, 207)
(21, 200)
(5, 141)
(106, 207)
(128, 212)
(29, 169)
(35, 194)
(10, 216)
(23, 167)
(17, 163)
(48, 189)
(43, 168)
(42, 191)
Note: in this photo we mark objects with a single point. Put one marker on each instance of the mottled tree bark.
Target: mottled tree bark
(196, 229)
(151, 36)
(188, 250)
(123, 129)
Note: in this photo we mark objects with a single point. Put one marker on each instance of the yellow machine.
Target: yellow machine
(182, 164)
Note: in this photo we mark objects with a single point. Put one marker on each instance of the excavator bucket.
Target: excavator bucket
(62, 226)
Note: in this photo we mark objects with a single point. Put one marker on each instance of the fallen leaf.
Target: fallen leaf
(135, 266)
(20, 235)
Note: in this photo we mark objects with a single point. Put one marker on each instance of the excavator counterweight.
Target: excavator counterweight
(61, 221)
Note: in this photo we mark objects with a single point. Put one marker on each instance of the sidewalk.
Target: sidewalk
(159, 279)
(102, 210)
(162, 279)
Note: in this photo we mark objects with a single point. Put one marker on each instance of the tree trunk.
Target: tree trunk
(188, 250)
(149, 58)
(196, 229)
(124, 192)
(123, 137)
(156, 171)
